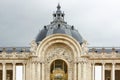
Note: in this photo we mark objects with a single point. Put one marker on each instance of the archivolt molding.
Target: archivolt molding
(59, 38)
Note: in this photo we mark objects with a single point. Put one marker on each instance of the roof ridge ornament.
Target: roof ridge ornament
(58, 16)
(58, 7)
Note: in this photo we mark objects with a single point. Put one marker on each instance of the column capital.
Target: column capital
(113, 63)
(14, 63)
(93, 63)
(24, 63)
(3, 63)
(103, 63)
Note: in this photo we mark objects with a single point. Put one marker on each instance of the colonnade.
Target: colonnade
(4, 73)
(103, 71)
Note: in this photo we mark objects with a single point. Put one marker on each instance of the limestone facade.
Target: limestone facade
(80, 65)
(59, 57)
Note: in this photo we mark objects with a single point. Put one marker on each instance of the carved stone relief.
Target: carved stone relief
(58, 51)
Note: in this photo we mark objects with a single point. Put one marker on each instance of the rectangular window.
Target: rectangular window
(0, 74)
(98, 72)
(117, 74)
(19, 72)
(107, 74)
(9, 75)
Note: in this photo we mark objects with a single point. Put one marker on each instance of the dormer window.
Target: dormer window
(54, 15)
(62, 15)
(58, 25)
(58, 14)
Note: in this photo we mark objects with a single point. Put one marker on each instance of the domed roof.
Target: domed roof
(59, 26)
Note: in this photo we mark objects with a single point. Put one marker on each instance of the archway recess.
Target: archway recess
(58, 70)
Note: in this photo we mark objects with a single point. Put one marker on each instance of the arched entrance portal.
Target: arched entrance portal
(58, 70)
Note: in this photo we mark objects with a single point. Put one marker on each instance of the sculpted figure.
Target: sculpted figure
(33, 46)
(84, 47)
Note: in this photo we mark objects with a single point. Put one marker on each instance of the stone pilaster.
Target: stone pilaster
(93, 71)
(33, 71)
(79, 71)
(30, 71)
(43, 71)
(75, 75)
(85, 71)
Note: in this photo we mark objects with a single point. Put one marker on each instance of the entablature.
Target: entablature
(14, 55)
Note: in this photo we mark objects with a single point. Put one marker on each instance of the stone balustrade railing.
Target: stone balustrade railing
(104, 55)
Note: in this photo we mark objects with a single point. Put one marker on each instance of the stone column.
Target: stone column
(30, 71)
(42, 71)
(14, 71)
(84, 71)
(33, 71)
(4, 71)
(36, 71)
(79, 71)
(93, 71)
(103, 71)
(75, 65)
(24, 71)
(39, 71)
(113, 71)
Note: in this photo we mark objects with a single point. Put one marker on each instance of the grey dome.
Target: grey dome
(59, 26)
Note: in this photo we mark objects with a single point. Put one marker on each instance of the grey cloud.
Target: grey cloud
(98, 21)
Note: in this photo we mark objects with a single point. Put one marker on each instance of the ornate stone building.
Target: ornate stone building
(59, 53)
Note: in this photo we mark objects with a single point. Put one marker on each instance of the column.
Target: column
(39, 71)
(42, 71)
(113, 71)
(79, 71)
(33, 71)
(103, 71)
(84, 71)
(35, 75)
(4, 71)
(14, 71)
(30, 71)
(24, 71)
(75, 71)
(93, 71)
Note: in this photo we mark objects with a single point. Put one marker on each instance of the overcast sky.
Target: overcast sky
(98, 21)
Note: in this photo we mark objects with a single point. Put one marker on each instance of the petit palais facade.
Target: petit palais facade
(59, 52)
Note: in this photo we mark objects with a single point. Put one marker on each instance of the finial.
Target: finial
(58, 7)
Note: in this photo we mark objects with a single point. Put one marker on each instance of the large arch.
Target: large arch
(58, 51)
(58, 38)
(64, 43)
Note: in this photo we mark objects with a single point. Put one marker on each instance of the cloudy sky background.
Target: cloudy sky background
(98, 21)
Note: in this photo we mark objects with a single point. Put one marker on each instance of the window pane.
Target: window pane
(98, 71)
(18, 72)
